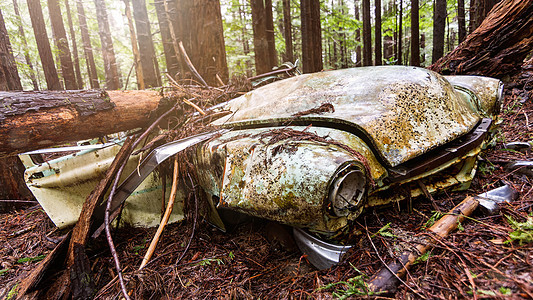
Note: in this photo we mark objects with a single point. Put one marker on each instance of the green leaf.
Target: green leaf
(31, 259)
(3, 271)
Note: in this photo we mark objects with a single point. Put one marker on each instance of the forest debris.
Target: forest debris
(166, 216)
(323, 108)
(387, 278)
(190, 65)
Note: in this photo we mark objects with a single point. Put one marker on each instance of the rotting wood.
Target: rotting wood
(34, 120)
(497, 47)
(386, 279)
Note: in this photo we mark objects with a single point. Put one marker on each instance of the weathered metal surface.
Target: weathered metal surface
(321, 254)
(287, 181)
(488, 91)
(490, 201)
(403, 111)
(62, 185)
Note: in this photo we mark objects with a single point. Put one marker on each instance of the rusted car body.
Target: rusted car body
(314, 150)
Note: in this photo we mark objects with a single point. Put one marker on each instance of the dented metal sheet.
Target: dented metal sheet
(403, 111)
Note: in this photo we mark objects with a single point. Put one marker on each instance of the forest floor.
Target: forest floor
(255, 261)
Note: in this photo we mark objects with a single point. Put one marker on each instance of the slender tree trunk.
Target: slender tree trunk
(108, 53)
(367, 35)
(171, 57)
(25, 45)
(358, 53)
(134, 47)
(461, 22)
(9, 76)
(311, 36)
(497, 47)
(245, 44)
(423, 46)
(261, 43)
(415, 33)
(76, 60)
(400, 35)
(439, 23)
(270, 33)
(287, 29)
(60, 37)
(87, 48)
(12, 185)
(377, 39)
(43, 45)
(146, 44)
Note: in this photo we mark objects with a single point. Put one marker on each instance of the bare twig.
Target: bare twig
(428, 195)
(194, 221)
(201, 111)
(164, 221)
(108, 231)
(190, 65)
(386, 266)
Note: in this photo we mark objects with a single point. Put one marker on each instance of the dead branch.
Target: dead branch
(190, 65)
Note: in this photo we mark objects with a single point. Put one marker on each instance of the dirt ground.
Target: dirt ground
(259, 259)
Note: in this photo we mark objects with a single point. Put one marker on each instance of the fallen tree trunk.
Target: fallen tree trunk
(34, 120)
(497, 47)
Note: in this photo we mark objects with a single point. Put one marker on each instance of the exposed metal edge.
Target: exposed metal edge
(321, 254)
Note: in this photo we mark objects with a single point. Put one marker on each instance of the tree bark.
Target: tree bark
(75, 57)
(439, 23)
(311, 36)
(367, 35)
(415, 34)
(171, 57)
(146, 44)
(12, 185)
(377, 39)
(269, 19)
(60, 38)
(399, 38)
(110, 63)
(34, 120)
(9, 76)
(261, 47)
(26, 49)
(87, 48)
(43, 45)
(287, 29)
(497, 47)
(134, 47)
(358, 53)
(461, 26)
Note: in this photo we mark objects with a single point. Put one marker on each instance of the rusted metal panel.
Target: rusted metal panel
(488, 91)
(404, 111)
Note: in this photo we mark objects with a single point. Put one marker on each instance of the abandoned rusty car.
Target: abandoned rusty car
(312, 151)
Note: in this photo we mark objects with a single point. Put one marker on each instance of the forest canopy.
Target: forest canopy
(116, 44)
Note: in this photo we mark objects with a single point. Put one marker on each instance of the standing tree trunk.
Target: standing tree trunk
(25, 45)
(270, 33)
(367, 35)
(245, 44)
(378, 53)
(146, 44)
(110, 63)
(415, 33)
(399, 39)
(12, 185)
(43, 45)
(287, 30)
(311, 36)
(497, 47)
(261, 46)
(87, 48)
(358, 53)
(134, 47)
(439, 26)
(171, 57)
(200, 29)
(77, 69)
(461, 20)
(60, 38)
